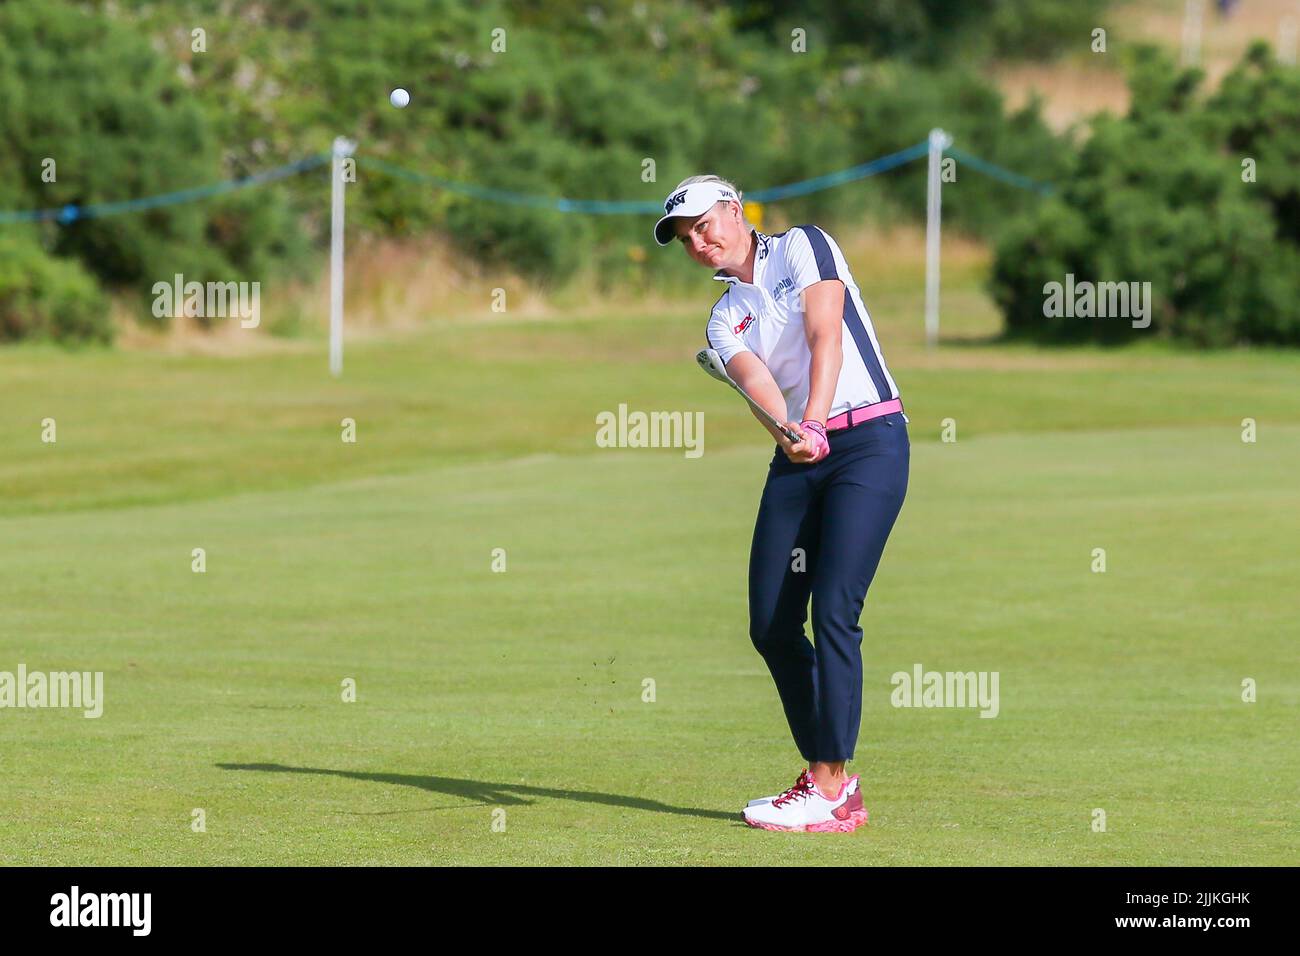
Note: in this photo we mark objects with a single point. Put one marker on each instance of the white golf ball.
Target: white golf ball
(399, 97)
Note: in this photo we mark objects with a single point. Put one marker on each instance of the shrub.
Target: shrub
(1158, 197)
(43, 297)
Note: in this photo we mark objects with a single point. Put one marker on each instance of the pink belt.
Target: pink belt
(855, 416)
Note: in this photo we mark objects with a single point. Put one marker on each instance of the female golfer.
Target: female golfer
(793, 332)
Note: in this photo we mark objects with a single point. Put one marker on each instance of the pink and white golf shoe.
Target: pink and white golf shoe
(803, 809)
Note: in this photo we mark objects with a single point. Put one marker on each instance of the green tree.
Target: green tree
(1156, 196)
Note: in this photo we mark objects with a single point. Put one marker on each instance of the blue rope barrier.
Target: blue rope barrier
(861, 171)
(71, 213)
(997, 172)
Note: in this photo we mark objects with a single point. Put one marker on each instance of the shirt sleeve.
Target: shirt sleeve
(810, 254)
(723, 339)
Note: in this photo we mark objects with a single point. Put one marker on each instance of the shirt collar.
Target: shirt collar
(760, 260)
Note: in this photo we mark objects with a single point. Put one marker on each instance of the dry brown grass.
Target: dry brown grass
(1070, 91)
(897, 255)
(187, 336)
(396, 286)
(1084, 83)
(390, 285)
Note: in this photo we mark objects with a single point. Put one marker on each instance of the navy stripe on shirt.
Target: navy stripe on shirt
(865, 348)
(826, 269)
(821, 252)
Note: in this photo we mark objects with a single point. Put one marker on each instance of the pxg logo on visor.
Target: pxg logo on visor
(693, 200)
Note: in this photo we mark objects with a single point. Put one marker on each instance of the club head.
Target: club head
(711, 362)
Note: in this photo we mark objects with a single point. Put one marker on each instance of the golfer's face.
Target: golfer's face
(710, 237)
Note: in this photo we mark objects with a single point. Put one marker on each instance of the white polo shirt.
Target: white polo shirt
(765, 317)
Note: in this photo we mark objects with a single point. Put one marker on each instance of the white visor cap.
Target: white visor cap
(690, 201)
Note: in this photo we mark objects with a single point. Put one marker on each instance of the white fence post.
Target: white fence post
(342, 149)
(939, 141)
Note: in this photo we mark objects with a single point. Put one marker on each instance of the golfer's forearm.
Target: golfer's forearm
(823, 376)
(769, 396)
(753, 376)
(823, 325)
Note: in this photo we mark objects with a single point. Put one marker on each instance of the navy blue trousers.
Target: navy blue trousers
(839, 512)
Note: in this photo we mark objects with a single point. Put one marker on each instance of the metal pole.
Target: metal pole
(342, 149)
(939, 141)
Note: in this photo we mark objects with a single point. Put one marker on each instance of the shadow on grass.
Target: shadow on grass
(494, 794)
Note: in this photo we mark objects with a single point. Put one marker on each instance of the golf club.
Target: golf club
(711, 362)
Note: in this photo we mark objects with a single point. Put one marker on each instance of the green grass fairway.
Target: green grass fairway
(482, 692)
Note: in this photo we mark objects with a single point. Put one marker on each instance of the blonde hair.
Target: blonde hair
(711, 178)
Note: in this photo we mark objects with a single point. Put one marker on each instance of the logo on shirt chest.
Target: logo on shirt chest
(782, 287)
(745, 323)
